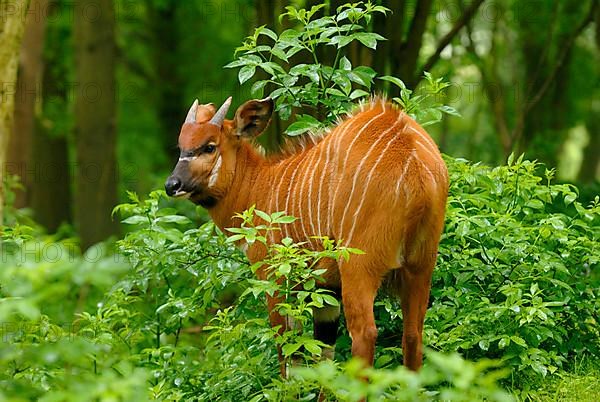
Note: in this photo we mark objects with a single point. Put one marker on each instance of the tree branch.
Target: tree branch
(562, 57)
(409, 53)
(445, 41)
(520, 125)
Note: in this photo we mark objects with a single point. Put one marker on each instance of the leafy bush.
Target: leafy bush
(517, 275)
(517, 280)
(170, 329)
(326, 88)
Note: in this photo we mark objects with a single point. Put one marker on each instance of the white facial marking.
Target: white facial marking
(187, 158)
(214, 173)
(182, 194)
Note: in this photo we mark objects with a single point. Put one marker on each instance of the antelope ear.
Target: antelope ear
(205, 112)
(253, 117)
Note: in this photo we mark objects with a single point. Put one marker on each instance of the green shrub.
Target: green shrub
(517, 275)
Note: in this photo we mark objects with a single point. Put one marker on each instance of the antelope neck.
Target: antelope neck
(250, 168)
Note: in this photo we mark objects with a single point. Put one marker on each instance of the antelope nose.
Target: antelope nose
(172, 185)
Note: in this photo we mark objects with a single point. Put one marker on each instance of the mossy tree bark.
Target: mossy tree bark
(12, 25)
(29, 75)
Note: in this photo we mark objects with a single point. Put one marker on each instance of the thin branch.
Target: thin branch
(544, 56)
(445, 41)
(409, 52)
(496, 99)
(563, 56)
(519, 127)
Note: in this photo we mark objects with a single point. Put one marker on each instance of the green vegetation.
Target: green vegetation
(175, 311)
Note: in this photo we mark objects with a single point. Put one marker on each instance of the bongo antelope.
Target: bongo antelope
(375, 182)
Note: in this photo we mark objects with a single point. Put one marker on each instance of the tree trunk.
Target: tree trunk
(50, 195)
(95, 120)
(391, 26)
(19, 158)
(12, 25)
(407, 55)
(591, 156)
(165, 33)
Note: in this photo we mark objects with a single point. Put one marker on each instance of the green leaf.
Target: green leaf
(135, 220)
(358, 93)
(266, 31)
(246, 73)
(279, 53)
(341, 41)
(306, 123)
(369, 39)
(535, 204)
(394, 80)
(234, 238)
(335, 92)
(449, 110)
(258, 88)
(174, 219)
(312, 348)
(569, 198)
(504, 342)
(264, 216)
(285, 269)
(519, 341)
(289, 348)
(345, 64)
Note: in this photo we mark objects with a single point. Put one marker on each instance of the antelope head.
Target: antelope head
(208, 145)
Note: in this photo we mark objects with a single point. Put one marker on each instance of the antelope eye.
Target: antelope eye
(209, 149)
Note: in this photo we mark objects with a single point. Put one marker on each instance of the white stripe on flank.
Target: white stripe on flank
(430, 154)
(366, 185)
(333, 172)
(312, 167)
(348, 151)
(307, 174)
(324, 173)
(434, 156)
(292, 193)
(407, 163)
(428, 171)
(277, 208)
(214, 173)
(425, 137)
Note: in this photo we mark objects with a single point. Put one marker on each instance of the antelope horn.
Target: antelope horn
(218, 118)
(191, 115)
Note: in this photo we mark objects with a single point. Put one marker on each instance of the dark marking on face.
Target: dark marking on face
(205, 201)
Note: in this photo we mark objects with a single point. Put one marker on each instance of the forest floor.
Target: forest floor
(582, 385)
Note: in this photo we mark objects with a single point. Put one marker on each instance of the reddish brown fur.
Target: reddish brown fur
(376, 182)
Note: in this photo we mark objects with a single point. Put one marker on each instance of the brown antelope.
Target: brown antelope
(376, 182)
